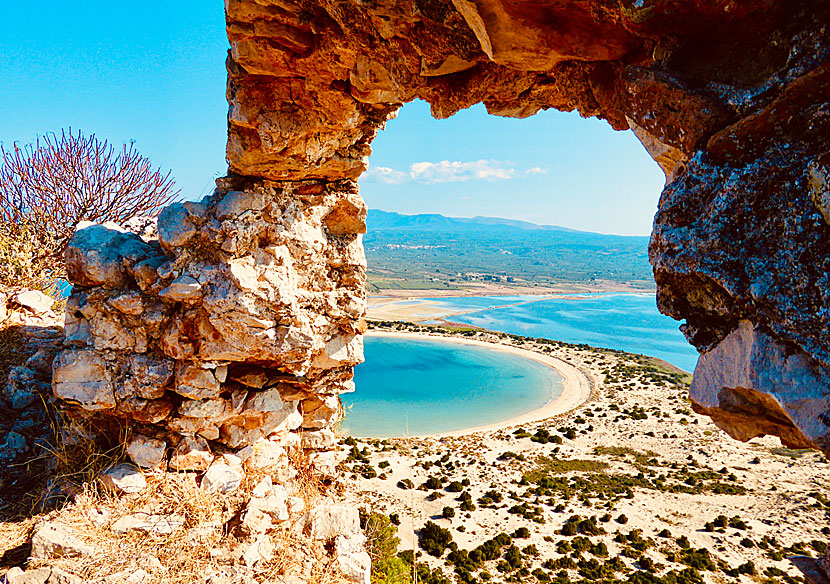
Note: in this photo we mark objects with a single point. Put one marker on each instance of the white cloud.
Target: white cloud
(450, 171)
(386, 175)
(457, 171)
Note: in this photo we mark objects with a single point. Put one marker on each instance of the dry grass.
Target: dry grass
(211, 538)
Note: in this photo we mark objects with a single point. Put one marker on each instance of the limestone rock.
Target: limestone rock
(100, 255)
(182, 289)
(34, 300)
(128, 303)
(175, 228)
(150, 375)
(82, 377)
(153, 524)
(750, 385)
(328, 520)
(352, 557)
(12, 445)
(196, 383)
(146, 452)
(192, 453)
(54, 540)
(123, 478)
(221, 478)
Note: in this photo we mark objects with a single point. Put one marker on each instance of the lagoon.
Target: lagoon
(418, 387)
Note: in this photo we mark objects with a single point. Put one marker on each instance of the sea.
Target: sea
(628, 322)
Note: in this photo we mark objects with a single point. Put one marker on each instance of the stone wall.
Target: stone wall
(242, 321)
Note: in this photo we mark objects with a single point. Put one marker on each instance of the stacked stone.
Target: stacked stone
(241, 322)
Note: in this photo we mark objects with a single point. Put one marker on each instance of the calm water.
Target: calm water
(629, 322)
(437, 386)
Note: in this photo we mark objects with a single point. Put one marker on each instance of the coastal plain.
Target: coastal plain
(627, 485)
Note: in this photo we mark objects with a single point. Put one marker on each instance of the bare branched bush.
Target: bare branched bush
(48, 187)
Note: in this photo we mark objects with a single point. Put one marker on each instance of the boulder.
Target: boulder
(101, 255)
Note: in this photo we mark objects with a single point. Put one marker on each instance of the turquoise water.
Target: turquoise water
(629, 322)
(435, 386)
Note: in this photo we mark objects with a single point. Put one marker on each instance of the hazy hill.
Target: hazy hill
(434, 251)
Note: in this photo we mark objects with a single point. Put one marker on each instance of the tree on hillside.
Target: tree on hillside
(48, 187)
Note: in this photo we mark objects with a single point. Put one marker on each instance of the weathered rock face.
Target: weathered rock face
(731, 99)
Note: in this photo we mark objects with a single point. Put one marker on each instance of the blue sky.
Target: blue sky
(154, 72)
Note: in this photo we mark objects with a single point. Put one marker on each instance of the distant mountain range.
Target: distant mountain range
(433, 222)
(435, 251)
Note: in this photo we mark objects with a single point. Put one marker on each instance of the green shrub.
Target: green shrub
(434, 539)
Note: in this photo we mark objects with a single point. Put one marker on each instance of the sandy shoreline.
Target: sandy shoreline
(576, 387)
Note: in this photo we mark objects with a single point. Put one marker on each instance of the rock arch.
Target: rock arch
(247, 320)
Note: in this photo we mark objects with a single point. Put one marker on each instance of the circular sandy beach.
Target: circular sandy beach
(576, 388)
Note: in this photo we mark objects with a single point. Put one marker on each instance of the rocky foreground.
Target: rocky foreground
(630, 486)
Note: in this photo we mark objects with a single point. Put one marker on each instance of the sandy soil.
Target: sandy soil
(652, 432)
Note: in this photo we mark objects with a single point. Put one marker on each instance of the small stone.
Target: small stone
(137, 577)
(263, 487)
(13, 445)
(192, 453)
(124, 478)
(146, 452)
(182, 288)
(21, 386)
(196, 383)
(53, 540)
(18, 576)
(129, 303)
(296, 505)
(221, 478)
(59, 576)
(148, 523)
(261, 550)
(34, 300)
